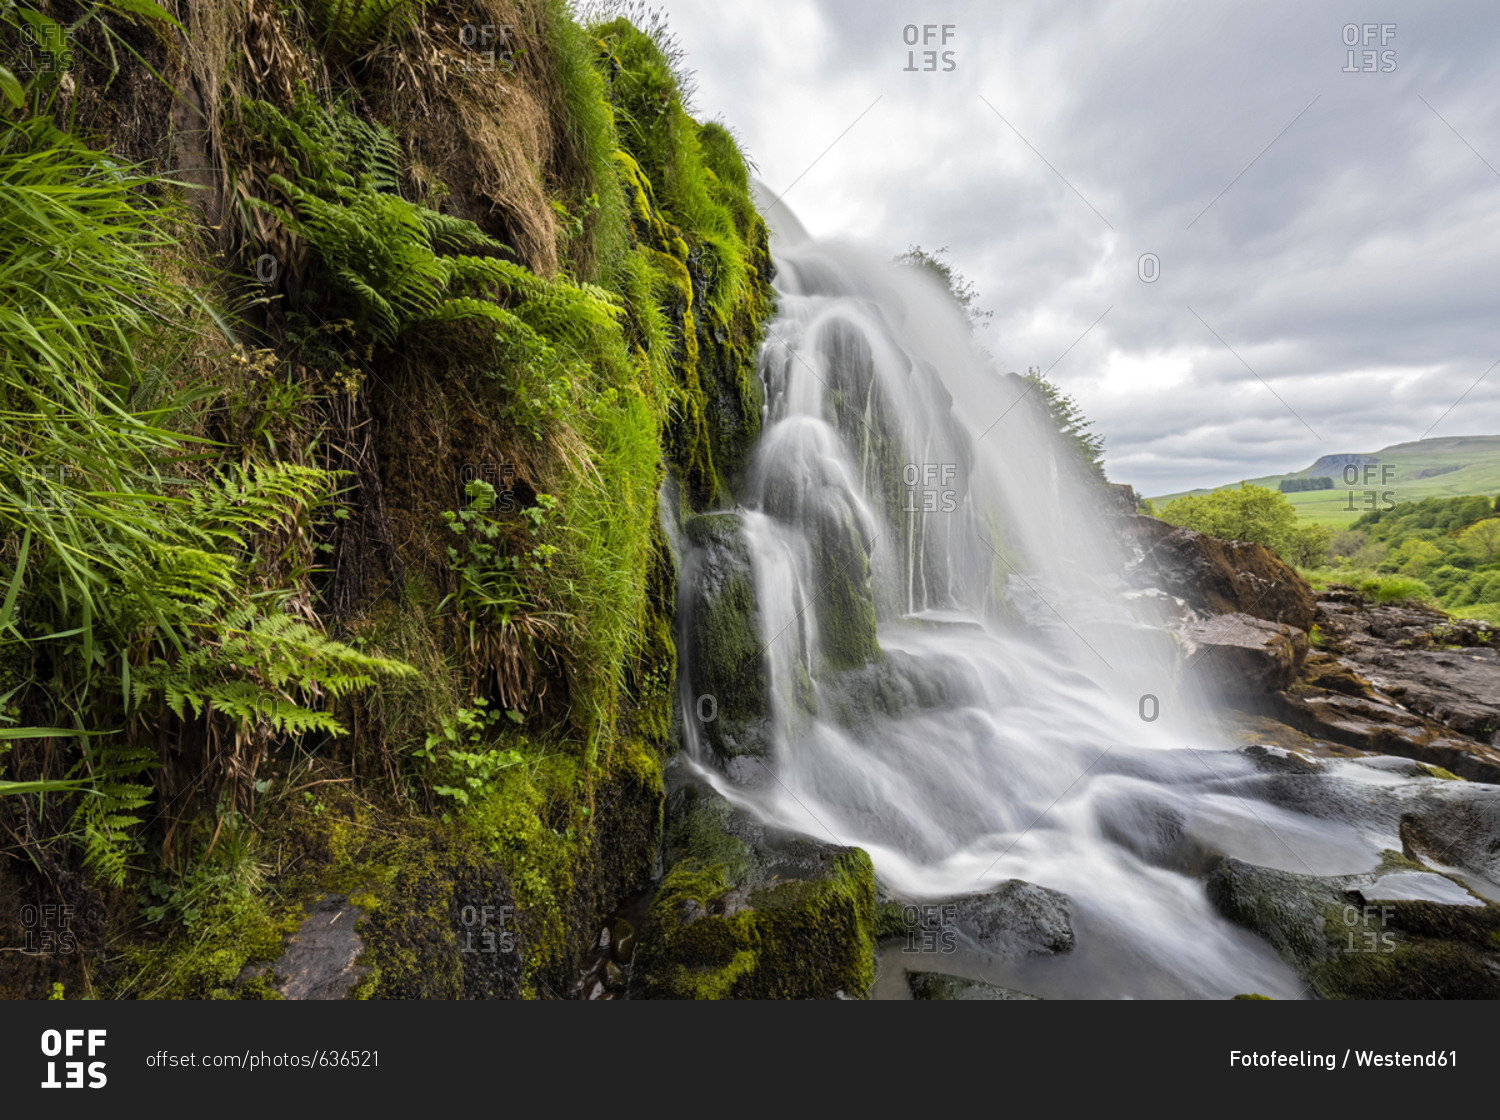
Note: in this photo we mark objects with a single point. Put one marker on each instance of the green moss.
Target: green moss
(744, 915)
(206, 960)
(1251, 995)
(788, 940)
(1438, 772)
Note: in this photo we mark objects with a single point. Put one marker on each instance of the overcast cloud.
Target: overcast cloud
(1352, 267)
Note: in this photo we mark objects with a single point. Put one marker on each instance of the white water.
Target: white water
(996, 587)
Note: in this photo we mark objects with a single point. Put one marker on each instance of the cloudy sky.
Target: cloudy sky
(1326, 222)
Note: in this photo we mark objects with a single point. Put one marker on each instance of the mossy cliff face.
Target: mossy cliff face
(746, 914)
(544, 277)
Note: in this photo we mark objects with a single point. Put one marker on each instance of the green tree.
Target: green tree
(962, 290)
(1250, 513)
(1070, 421)
(1481, 540)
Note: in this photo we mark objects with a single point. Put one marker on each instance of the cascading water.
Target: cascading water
(941, 662)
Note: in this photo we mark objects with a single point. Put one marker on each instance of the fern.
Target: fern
(253, 667)
(401, 264)
(107, 816)
(353, 23)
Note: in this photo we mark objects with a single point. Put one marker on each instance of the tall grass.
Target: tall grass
(126, 561)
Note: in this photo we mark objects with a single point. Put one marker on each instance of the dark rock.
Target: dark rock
(1459, 689)
(1385, 728)
(939, 985)
(319, 961)
(1239, 654)
(1380, 935)
(1219, 577)
(1016, 919)
(728, 667)
(624, 935)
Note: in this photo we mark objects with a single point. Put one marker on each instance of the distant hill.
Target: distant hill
(1449, 467)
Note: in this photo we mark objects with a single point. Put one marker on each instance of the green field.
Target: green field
(1404, 472)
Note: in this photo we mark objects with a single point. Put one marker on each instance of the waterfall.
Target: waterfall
(914, 637)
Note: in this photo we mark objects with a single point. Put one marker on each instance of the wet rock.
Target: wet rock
(1459, 689)
(1362, 937)
(614, 977)
(1386, 728)
(1239, 654)
(319, 961)
(728, 668)
(1215, 576)
(746, 912)
(939, 985)
(1016, 919)
(1453, 831)
(624, 935)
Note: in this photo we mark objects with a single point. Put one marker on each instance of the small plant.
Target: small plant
(491, 601)
(1316, 636)
(464, 764)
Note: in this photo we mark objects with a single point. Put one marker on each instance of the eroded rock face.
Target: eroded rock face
(1218, 577)
(1239, 654)
(1408, 654)
(1390, 680)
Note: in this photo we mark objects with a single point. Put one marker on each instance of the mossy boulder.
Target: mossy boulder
(747, 913)
(728, 667)
(1399, 932)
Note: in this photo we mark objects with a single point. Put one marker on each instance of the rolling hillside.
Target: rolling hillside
(1431, 468)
